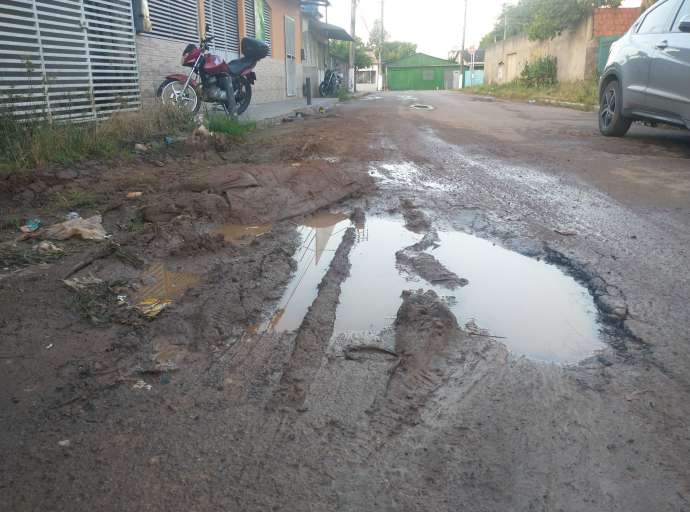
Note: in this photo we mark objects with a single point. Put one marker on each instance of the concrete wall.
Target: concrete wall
(159, 57)
(575, 50)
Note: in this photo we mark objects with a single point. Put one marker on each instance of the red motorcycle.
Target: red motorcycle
(229, 84)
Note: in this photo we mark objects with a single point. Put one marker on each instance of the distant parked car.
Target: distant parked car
(647, 76)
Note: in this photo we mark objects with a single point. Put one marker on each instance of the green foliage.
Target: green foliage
(540, 73)
(38, 142)
(392, 50)
(542, 19)
(222, 123)
(344, 94)
(341, 50)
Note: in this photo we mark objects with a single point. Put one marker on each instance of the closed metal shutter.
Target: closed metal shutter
(269, 25)
(250, 22)
(174, 19)
(221, 16)
(67, 59)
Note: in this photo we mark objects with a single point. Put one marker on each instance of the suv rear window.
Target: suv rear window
(658, 20)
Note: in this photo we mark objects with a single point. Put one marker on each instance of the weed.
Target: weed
(344, 94)
(222, 123)
(39, 142)
(583, 92)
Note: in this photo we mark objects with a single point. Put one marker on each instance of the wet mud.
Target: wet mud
(382, 319)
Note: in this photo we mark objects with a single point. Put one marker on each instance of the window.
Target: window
(658, 20)
(427, 74)
(171, 19)
(683, 14)
(221, 17)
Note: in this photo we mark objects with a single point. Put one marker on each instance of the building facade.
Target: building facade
(175, 23)
(421, 72)
(85, 59)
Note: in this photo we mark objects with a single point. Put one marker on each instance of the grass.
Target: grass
(31, 144)
(344, 94)
(583, 92)
(222, 123)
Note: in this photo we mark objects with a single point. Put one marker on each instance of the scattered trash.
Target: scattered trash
(49, 346)
(64, 443)
(88, 229)
(152, 307)
(421, 106)
(565, 232)
(322, 110)
(169, 140)
(202, 131)
(142, 148)
(296, 164)
(140, 384)
(46, 247)
(132, 195)
(72, 216)
(80, 283)
(531, 102)
(122, 299)
(31, 225)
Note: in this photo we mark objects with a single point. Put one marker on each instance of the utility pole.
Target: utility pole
(351, 71)
(462, 50)
(381, 40)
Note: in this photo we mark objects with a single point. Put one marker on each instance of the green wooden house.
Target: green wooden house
(420, 72)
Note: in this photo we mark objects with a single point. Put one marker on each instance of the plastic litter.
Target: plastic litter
(79, 283)
(152, 307)
(140, 384)
(31, 225)
(132, 195)
(141, 148)
(88, 229)
(72, 216)
(46, 247)
(64, 443)
(169, 140)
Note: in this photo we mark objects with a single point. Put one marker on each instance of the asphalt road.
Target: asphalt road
(377, 400)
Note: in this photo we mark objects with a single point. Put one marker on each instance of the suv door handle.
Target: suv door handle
(662, 45)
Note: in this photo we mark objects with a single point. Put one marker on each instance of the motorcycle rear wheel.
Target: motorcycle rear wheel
(243, 95)
(170, 93)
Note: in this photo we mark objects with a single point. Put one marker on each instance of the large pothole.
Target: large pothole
(537, 310)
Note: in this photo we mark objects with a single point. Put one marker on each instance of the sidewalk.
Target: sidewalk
(277, 109)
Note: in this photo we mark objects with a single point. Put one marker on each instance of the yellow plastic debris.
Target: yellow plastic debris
(152, 307)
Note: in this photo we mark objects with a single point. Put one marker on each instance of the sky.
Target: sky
(435, 25)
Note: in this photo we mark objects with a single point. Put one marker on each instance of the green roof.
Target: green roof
(418, 60)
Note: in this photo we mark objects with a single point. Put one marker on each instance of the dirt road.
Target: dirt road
(469, 305)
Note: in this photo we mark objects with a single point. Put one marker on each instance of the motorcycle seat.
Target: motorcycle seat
(239, 65)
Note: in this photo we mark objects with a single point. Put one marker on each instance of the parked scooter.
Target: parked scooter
(331, 83)
(229, 84)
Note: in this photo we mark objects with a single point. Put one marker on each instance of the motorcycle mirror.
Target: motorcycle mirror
(684, 25)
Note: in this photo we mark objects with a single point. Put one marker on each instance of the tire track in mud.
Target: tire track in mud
(316, 330)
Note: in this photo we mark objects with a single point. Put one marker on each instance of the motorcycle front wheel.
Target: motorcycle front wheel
(323, 90)
(171, 92)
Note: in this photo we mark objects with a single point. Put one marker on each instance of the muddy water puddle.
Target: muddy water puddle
(536, 310)
(320, 236)
(533, 307)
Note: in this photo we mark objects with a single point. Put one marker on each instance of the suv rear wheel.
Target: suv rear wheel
(611, 120)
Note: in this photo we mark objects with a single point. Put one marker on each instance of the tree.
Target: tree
(375, 37)
(542, 19)
(396, 50)
(341, 50)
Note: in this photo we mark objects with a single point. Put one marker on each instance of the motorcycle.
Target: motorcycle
(331, 83)
(226, 83)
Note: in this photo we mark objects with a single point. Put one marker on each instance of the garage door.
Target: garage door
(67, 59)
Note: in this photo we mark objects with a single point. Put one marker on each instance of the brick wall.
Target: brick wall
(157, 59)
(614, 21)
